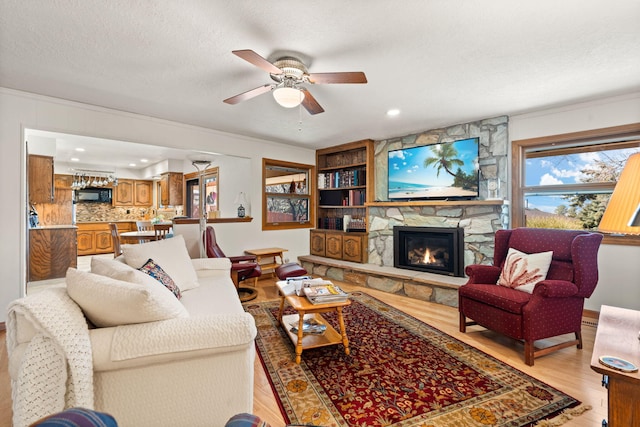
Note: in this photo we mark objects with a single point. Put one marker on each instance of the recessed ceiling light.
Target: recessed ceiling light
(393, 112)
(75, 159)
(80, 149)
(143, 160)
(133, 165)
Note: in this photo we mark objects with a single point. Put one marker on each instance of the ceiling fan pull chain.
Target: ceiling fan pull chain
(300, 115)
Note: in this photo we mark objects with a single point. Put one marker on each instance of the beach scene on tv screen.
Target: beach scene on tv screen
(434, 171)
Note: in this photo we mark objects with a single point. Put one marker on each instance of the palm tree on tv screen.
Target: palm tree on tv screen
(445, 158)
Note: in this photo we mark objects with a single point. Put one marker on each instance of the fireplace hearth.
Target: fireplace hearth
(437, 250)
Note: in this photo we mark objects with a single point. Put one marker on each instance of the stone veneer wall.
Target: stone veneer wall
(479, 221)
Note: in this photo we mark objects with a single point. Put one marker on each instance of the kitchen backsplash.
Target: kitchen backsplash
(90, 212)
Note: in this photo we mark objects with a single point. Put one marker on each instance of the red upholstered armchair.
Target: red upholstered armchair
(243, 267)
(555, 305)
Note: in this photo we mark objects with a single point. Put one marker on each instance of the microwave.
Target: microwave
(93, 195)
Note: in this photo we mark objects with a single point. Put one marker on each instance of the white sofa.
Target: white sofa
(193, 368)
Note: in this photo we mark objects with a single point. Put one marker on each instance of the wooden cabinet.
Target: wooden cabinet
(51, 252)
(40, 180)
(143, 195)
(617, 336)
(344, 186)
(339, 245)
(131, 192)
(123, 193)
(171, 184)
(95, 238)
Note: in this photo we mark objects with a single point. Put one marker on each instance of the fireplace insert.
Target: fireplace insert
(437, 250)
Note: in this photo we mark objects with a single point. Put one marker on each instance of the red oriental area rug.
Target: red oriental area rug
(401, 372)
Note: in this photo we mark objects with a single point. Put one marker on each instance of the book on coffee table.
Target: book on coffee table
(309, 326)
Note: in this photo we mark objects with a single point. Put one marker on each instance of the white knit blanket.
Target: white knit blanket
(56, 370)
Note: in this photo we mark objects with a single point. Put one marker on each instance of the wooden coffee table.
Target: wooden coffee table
(306, 310)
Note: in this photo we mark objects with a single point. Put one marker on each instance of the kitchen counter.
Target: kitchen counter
(52, 227)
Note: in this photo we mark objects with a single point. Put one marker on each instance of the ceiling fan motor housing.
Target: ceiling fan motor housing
(292, 68)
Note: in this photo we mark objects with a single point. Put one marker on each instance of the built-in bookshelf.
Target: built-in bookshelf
(344, 186)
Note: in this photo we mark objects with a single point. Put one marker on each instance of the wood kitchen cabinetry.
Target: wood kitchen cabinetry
(131, 192)
(345, 179)
(171, 185)
(339, 245)
(52, 250)
(40, 180)
(95, 238)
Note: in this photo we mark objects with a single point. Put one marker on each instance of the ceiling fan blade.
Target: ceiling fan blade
(310, 103)
(248, 94)
(257, 60)
(348, 77)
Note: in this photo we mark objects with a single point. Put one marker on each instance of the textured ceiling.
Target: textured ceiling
(439, 62)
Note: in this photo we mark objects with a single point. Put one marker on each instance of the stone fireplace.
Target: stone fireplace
(438, 250)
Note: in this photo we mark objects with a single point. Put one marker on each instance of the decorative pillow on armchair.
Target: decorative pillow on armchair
(522, 271)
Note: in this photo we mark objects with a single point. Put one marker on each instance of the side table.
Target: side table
(617, 335)
(268, 253)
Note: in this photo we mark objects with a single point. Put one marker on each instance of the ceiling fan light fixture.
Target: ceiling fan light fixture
(288, 97)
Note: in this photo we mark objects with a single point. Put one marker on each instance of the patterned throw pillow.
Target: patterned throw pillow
(155, 271)
(522, 271)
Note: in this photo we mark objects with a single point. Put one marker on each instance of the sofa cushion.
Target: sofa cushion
(152, 269)
(106, 301)
(522, 271)
(171, 254)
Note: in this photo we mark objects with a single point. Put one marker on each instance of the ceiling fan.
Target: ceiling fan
(289, 74)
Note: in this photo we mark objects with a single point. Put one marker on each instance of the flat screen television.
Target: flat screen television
(442, 171)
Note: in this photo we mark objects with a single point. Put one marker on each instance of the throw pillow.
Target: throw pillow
(110, 302)
(155, 271)
(522, 271)
(171, 254)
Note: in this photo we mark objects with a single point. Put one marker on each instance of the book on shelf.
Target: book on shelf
(309, 326)
(323, 292)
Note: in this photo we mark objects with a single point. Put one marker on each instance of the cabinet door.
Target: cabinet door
(86, 242)
(104, 243)
(317, 243)
(143, 193)
(171, 189)
(40, 179)
(353, 247)
(123, 193)
(333, 246)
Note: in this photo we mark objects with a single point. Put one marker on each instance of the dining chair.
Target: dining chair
(161, 230)
(115, 239)
(144, 225)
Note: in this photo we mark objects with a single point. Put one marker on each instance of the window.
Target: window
(212, 192)
(565, 181)
(287, 200)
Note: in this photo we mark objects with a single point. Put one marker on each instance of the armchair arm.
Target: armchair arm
(242, 258)
(170, 340)
(556, 289)
(484, 274)
(239, 266)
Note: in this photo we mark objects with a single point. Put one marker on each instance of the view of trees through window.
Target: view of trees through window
(570, 187)
(287, 197)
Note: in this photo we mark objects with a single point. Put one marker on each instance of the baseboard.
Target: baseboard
(590, 318)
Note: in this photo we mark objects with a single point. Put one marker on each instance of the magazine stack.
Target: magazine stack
(323, 292)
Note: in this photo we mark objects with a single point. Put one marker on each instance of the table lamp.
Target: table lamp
(622, 215)
(241, 200)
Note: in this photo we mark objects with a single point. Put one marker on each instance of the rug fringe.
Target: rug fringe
(564, 416)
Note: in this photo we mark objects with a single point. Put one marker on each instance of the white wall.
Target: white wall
(619, 266)
(20, 110)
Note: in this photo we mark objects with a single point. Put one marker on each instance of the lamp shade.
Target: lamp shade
(621, 215)
(288, 97)
(240, 199)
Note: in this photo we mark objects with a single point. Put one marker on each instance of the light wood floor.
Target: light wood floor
(567, 370)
